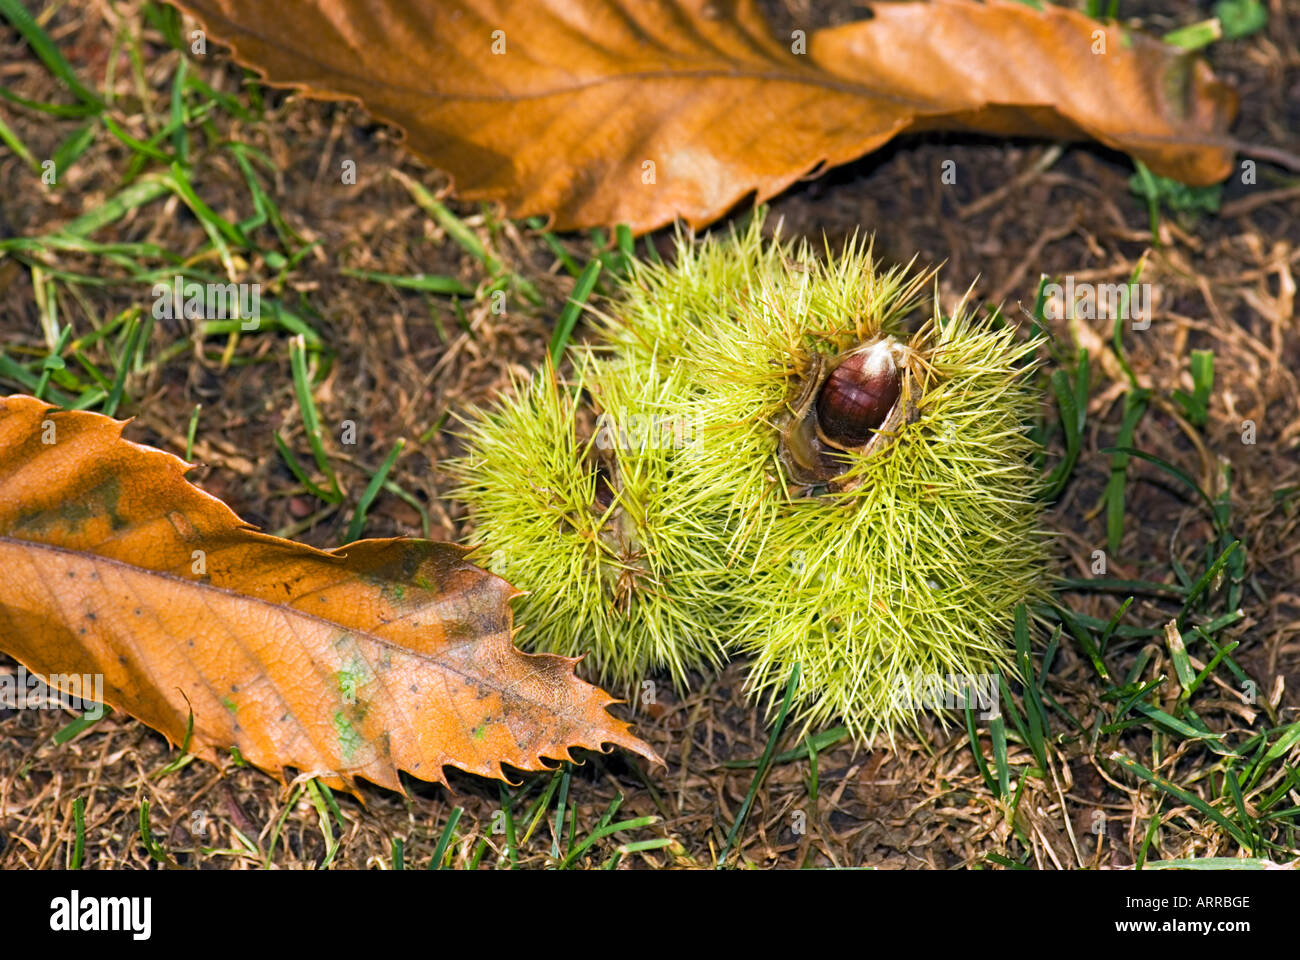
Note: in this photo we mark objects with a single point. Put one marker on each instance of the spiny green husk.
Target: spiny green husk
(647, 508)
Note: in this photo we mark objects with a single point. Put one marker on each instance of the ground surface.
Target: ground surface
(402, 361)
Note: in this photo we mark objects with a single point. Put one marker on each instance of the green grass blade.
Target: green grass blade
(1135, 405)
(44, 48)
(978, 753)
(1195, 36)
(310, 418)
(572, 310)
(815, 742)
(79, 833)
(70, 150)
(763, 766)
(139, 146)
(151, 844)
(507, 814)
(607, 830)
(192, 431)
(318, 793)
(430, 283)
(372, 490)
(1215, 863)
(119, 205)
(16, 145)
(636, 847)
(1178, 793)
(558, 840)
(1127, 451)
(444, 841)
(124, 365)
(76, 726)
(1207, 578)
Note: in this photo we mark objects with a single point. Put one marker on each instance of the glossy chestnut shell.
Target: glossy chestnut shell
(604, 488)
(847, 407)
(858, 395)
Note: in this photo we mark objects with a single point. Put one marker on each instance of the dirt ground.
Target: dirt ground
(403, 361)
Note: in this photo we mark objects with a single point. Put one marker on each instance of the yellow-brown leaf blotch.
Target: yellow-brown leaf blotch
(380, 656)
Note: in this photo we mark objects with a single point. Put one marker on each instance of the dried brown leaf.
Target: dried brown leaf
(380, 656)
(638, 111)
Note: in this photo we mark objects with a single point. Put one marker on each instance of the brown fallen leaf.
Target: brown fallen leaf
(637, 111)
(1004, 68)
(380, 656)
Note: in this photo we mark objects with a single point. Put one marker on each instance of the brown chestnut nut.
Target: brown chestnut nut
(858, 395)
(604, 488)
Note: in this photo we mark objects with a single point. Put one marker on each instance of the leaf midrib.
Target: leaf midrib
(821, 79)
(500, 688)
